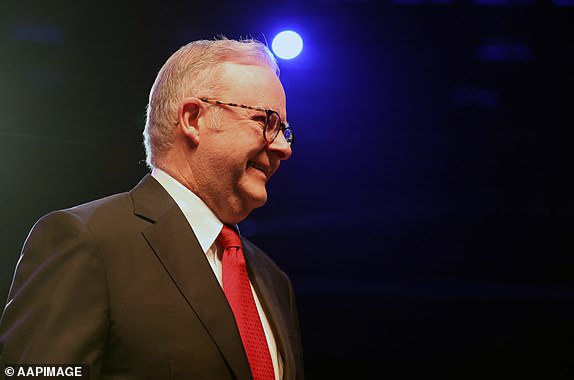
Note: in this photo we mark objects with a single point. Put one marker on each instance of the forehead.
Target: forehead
(254, 85)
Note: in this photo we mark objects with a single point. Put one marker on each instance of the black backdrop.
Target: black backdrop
(427, 214)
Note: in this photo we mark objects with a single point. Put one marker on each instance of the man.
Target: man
(136, 284)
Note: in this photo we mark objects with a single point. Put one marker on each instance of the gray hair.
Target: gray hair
(193, 70)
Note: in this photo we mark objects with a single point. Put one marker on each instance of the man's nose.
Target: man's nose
(280, 147)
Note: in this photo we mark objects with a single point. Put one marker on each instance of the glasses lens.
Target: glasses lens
(288, 136)
(273, 126)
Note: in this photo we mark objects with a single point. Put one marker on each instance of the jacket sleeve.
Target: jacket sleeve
(57, 310)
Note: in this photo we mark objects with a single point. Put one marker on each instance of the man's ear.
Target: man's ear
(189, 112)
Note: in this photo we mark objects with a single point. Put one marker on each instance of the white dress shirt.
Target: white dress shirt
(207, 227)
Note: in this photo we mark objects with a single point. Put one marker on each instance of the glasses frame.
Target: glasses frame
(289, 137)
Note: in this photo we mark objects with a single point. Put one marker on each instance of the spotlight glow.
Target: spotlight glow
(287, 44)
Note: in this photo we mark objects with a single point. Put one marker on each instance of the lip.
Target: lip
(259, 167)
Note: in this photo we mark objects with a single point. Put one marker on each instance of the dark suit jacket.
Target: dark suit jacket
(123, 285)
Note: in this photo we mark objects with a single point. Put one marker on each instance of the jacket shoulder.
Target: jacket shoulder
(262, 258)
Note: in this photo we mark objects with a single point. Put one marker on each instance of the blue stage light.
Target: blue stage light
(287, 44)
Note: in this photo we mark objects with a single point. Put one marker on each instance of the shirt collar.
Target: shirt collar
(202, 220)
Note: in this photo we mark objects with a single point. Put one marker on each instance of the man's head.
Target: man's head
(218, 151)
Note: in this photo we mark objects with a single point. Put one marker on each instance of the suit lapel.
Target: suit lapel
(178, 250)
(261, 280)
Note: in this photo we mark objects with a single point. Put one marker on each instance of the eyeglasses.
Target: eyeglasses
(273, 124)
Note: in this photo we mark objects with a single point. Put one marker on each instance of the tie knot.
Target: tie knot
(228, 237)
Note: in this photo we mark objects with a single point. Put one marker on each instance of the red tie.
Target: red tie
(238, 292)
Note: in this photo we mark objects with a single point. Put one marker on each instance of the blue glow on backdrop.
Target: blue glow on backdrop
(287, 44)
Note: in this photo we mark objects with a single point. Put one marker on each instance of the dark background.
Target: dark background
(426, 216)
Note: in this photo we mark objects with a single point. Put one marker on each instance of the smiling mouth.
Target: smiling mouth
(258, 167)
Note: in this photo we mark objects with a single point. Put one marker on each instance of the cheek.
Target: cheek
(228, 168)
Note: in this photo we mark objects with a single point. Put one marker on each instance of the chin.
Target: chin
(259, 201)
(257, 198)
(243, 208)
(249, 197)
